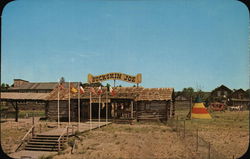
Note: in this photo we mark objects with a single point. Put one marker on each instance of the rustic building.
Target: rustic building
(181, 101)
(128, 102)
(239, 97)
(16, 100)
(23, 86)
(220, 94)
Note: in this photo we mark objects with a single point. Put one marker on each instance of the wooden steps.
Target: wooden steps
(44, 143)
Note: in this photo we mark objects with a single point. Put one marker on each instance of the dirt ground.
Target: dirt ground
(230, 143)
(12, 132)
(228, 133)
(130, 141)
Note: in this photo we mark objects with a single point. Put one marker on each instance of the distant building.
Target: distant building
(220, 94)
(24, 86)
(239, 97)
(230, 97)
(181, 101)
(29, 88)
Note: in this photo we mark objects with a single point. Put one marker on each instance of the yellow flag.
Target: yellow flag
(73, 90)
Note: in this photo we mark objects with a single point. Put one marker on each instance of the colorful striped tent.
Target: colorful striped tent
(199, 111)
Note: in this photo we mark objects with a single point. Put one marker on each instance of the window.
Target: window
(225, 92)
(218, 93)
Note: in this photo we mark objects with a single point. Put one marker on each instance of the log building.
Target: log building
(127, 103)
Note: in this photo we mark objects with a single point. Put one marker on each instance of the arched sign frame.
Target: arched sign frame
(115, 76)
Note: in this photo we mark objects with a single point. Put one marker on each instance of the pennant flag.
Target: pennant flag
(73, 89)
(111, 90)
(99, 90)
(81, 90)
(103, 105)
(92, 90)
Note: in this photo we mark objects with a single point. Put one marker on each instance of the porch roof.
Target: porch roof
(23, 96)
(135, 93)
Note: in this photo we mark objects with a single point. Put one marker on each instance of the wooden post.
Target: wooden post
(40, 128)
(59, 146)
(177, 124)
(173, 104)
(58, 109)
(99, 111)
(78, 107)
(107, 106)
(132, 110)
(170, 109)
(197, 140)
(67, 133)
(136, 113)
(166, 110)
(90, 111)
(69, 105)
(184, 129)
(209, 150)
(190, 109)
(17, 111)
(33, 122)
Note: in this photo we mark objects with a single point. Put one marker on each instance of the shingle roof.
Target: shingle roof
(136, 93)
(221, 87)
(39, 86)
(149, 94)
(23, 96)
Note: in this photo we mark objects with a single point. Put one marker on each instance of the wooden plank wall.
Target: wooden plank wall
(146, 109)
(52, 110)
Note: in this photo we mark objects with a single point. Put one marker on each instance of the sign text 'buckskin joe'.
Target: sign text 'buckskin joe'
(115, 76)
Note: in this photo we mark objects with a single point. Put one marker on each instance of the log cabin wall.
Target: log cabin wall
(52, 114)
(146, 102)
(153, 110)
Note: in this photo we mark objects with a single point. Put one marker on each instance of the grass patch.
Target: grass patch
(222, 120)
(25, 113)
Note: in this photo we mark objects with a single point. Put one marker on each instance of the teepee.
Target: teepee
(199, 111)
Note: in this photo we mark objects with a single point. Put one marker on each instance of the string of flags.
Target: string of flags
(81, 90)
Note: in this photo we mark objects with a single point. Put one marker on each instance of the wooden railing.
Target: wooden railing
(62, 136)
(31, 131)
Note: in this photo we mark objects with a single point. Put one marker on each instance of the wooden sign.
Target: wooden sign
(115, 76)
(96, 100)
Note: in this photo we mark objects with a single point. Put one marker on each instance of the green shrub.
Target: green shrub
(46, 157)
(71, 142)
(77, 133)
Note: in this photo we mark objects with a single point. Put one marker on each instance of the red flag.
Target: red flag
(92, 90)
(99, 90)
(60, 86)
(81, 90)
(111, 91)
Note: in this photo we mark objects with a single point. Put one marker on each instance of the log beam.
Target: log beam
(15, 106)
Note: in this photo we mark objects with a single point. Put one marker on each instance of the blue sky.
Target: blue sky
(198, 43)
